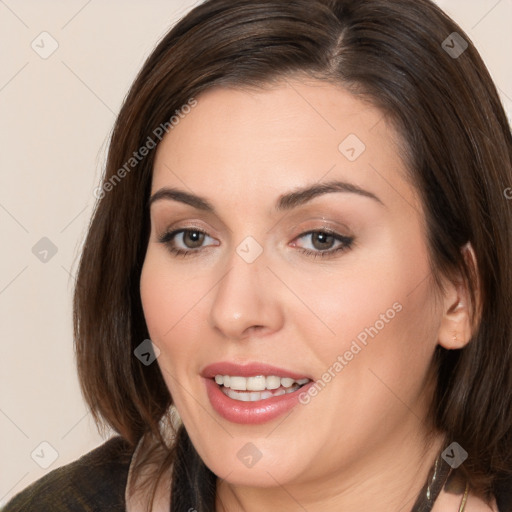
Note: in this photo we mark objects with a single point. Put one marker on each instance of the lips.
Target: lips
(251, 412)
(249, 370)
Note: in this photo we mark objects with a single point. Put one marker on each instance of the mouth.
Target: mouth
(253, 393)
(258, 387)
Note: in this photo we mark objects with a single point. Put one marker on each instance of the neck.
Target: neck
(388, 479)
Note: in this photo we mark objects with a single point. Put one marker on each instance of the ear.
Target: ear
(459, 318)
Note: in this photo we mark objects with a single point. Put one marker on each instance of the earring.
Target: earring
(175, 417)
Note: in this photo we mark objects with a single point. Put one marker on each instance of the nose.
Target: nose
(246, 301)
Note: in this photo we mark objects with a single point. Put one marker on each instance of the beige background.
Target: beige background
(55, 118)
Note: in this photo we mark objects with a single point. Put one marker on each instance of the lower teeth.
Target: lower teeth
(254, 396)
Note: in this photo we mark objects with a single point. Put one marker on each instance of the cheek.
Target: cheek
(170, 300)
(382, 311)
(171, 306)
(375, 310)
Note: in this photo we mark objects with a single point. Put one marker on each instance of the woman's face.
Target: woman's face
(306, 252)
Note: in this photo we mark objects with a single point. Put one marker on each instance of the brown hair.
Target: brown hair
(459, 152)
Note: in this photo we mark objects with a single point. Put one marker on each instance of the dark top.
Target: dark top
(94, 483)
(97, 481)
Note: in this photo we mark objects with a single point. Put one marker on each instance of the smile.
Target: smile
(253, 393)
(260, 387)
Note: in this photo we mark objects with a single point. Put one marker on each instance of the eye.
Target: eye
(325, 243)
(185, 241)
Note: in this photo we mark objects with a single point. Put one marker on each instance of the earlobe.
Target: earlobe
(455, 329)
(457, 324)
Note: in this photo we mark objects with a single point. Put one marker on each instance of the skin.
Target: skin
(360, 444)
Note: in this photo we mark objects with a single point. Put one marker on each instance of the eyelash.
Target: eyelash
(347, 242)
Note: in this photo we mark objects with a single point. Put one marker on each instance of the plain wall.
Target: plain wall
(56, 114)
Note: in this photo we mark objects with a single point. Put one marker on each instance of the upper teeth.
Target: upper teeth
(258, 383)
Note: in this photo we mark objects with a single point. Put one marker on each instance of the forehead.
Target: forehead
(290, 134)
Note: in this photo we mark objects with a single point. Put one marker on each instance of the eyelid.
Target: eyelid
(327, 231)
(189, 225)
(323, 223)
(331, 227)
(179, 214)
(171, 233)
(343, 239)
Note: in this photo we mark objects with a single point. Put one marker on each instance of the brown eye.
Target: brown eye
(185, 242)
(324, 243)
(321, 240)
(193, 239)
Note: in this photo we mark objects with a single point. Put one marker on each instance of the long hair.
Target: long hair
(404, 58)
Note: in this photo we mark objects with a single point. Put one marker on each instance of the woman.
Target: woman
(295, 289)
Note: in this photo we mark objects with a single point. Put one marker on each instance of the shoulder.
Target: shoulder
(476, 504)
(96, 481)
(501, 502)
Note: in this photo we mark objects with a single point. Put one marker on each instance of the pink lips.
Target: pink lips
(248, 370)
(252, 413)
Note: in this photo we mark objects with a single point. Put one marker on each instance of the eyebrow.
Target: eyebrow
(285, 202)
